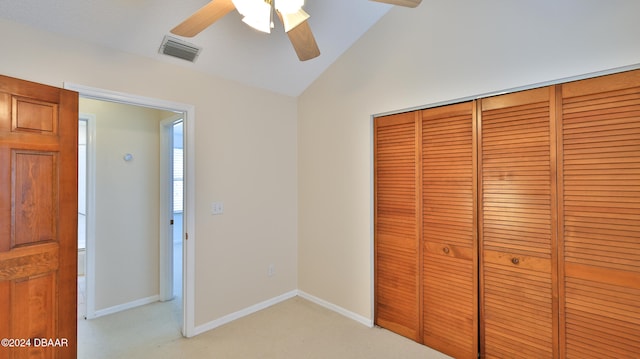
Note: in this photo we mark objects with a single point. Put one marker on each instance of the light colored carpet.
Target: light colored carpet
(295, 328)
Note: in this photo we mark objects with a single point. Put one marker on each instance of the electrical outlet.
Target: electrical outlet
(271, 270)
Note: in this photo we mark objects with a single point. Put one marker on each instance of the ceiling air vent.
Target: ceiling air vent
(180, 49)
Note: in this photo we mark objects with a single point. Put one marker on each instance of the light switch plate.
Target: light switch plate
(217, 207)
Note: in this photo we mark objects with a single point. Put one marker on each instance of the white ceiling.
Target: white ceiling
(230, 48)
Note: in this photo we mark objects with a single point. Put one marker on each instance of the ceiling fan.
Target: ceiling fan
(259, 15)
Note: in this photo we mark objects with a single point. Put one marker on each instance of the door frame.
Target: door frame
(90, 219)
(188, 270)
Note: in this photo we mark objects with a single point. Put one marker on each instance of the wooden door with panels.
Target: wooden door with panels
(397, 219)
(599, 169)
(517, 227)
(449, 235)
(38, 220)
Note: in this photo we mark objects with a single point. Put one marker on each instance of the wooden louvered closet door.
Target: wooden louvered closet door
(449, 231)
(599, 167)
(396, 219)
(555, 248)
(517, 226)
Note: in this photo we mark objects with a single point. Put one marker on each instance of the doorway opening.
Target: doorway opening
(181, 265)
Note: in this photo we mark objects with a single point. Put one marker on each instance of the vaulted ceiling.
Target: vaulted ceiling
(230, 49)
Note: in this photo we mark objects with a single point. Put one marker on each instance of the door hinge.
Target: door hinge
(186, 236)
(171, 222)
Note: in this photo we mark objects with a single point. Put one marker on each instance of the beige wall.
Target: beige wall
(127, 201)
(440, 51)
(246, 151)
(295, 174)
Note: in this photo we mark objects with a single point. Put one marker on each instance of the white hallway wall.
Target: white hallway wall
(442, 50)
(246, 156)
(127, 202)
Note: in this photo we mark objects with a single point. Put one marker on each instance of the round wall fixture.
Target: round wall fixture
(128, 157)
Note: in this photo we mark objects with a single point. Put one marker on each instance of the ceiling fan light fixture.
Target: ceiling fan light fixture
(259, 23)
(290, 21)
(256, 13)
(287, 7)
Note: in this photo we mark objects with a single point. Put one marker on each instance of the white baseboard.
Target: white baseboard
(347, 313)
(243, 313)
(267, 303)
(125, 306)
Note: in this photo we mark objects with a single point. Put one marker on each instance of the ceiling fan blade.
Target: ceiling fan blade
(406, 3)
(290, 21)
(203, 18)
(302, 40)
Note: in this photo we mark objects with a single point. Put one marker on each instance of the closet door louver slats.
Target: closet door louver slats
(600, 217)
(517, 238)
(449, 231)
(396, 224)
(523, 208)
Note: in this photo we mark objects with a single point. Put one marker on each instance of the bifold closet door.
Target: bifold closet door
(449, 258)
(599, 161)
(396, 217)
(517, 226)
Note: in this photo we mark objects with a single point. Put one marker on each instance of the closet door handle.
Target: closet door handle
(515, 260)
(445, 250)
